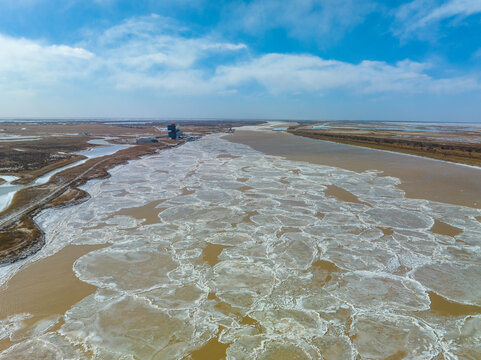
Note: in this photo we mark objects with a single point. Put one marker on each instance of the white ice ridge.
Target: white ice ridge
(299, 272)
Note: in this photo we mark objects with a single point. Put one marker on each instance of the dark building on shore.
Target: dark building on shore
(146, 140)
(174, 132)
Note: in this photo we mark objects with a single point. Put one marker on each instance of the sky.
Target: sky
(411, 60)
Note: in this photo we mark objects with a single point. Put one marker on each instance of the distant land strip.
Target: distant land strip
(468, 154)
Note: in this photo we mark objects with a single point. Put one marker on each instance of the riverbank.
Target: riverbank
(444, 147)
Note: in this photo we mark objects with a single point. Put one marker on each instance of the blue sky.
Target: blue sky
(415, 60)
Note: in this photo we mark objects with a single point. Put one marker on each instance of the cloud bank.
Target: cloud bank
(152, 53)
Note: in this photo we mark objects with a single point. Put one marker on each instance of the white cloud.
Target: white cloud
(142, 52)
(143, 42)
(295, 74)
(166, 51)
(25, 62)
(152, 54)
(462, 8)
(322, 20)
(419, 14)
(306, 73)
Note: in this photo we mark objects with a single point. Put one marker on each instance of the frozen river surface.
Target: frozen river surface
(254, 252)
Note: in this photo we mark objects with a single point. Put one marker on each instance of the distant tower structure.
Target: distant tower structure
(173, 131)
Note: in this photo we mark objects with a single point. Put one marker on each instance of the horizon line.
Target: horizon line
(154, 119)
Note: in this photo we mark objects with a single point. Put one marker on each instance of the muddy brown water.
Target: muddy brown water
(46, 289)
(211, 252)
(149, 213)
(442, 228)
(421, 178)
(445, 307)
(342, 194)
